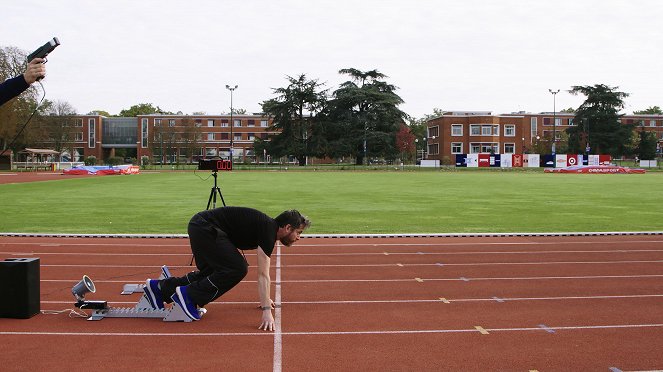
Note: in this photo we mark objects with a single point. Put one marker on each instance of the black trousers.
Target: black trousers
(220, 265)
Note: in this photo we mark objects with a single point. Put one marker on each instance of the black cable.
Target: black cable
(26, 123)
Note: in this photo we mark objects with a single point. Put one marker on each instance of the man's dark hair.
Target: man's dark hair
(292, 218)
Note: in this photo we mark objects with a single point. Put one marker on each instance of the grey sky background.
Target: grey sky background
(499, 56)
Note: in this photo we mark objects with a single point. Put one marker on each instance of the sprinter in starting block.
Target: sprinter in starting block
(216, 236)
(142, 309)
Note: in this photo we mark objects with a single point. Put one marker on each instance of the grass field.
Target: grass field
(343, 202)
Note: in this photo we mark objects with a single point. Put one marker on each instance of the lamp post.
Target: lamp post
(554, 140)
(522, 145)
(232, 123)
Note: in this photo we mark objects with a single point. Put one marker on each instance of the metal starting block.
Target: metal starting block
(139, 288)
(172, 314)
(142, 309)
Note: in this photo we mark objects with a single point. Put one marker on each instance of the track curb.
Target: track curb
(346, 236)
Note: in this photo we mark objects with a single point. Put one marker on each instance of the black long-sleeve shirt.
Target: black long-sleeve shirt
(246, 228)
(12, 88)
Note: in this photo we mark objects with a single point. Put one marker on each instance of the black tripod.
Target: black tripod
(212, 195)
(212, 200)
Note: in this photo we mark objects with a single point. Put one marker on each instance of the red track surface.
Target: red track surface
(517, 304)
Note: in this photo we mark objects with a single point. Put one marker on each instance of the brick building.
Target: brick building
(460, 132)
(167, 138)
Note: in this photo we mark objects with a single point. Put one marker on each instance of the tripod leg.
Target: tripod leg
(212, 195)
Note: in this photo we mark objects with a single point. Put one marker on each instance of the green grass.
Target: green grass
(343, 202)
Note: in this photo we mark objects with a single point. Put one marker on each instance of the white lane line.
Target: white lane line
(335, 333)
(277, 314)
(405, 280)
(410, 301)
(481, 263)
(468, 279)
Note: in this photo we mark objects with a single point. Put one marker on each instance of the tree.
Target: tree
(598, 121)
(366, 109)
(100, 113)
(190, 138)
(646, 147)
(294, 114)
(652, 110)
(419, 129)
(143, 109)
(405, 142)
(14, 114)
(57, 126)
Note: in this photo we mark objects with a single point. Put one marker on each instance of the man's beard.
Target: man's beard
(286, 241)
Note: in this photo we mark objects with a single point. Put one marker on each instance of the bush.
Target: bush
(91, 160)
(115, 160)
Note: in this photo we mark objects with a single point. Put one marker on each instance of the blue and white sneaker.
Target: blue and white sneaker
(153, 294)
(181, 297)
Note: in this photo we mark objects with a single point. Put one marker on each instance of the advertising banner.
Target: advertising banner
(533, 160)
(461, 160)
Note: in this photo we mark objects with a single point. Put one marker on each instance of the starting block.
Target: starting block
(139, 288)
(142, 309)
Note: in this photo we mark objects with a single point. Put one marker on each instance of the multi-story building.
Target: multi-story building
(167, 138)
(460, 132)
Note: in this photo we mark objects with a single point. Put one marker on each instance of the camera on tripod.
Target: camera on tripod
(215, 165)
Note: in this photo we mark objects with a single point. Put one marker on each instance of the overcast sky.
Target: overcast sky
(500, 56)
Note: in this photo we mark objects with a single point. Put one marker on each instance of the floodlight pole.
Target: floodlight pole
(554, 93)
(232, 123)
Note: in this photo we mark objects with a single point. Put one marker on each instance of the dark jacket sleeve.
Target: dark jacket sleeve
(12, 88)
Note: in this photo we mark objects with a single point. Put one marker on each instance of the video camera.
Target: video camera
(215, 165)
(44, 50)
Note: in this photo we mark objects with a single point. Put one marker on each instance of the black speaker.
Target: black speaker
(19, 288)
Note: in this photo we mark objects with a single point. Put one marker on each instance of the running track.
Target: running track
(508, 303)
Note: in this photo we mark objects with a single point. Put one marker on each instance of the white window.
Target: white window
(237, 137)
(144, 132)
(571, 122)
(210, 136)
(489, 130)
(210, 122)
(171, 123)
(533, 127)
(490, 147)
(509, 148)
(79, 123)
(652, 123)
(475, 130)
(433, 132)
(456, 130)
(433, 149)
(238, 123)
(485, 147)
(79, 137)
(224, 124)
(558, 121)
(509, 130)
(456, 147)
(91, 126)
(157, 122)
(263, 123)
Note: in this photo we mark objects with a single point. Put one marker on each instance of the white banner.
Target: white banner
(532, 160)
